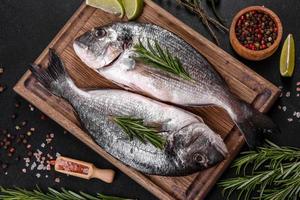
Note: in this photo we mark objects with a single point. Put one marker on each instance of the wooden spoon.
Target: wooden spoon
(83, 169)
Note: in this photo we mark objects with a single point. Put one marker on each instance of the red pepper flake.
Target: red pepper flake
(256, 30)
(12, 150)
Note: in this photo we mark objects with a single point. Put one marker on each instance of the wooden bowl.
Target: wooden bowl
(255, 54)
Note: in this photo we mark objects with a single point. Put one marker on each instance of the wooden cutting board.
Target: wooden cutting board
(242, 81)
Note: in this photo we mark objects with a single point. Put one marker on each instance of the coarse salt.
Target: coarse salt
(57, 180)
(288, 94)
(24, 170)
(40, 167)
(33, 166)
(284, 108)
(43, 145)
(290, 119)
(38, 175)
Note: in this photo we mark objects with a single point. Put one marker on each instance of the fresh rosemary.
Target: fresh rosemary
(162, 59)
(136, 128)
(52, 194)
(195, 6)
(274, 175)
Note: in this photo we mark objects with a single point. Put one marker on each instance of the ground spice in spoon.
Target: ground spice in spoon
(256, 30)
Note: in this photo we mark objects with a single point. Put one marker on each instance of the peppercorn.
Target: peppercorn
(2, 88)
(17, 105)
(29, 133)
(13, 116)
(256, 30)
(29, 153)
(4, 165)
(24, 123)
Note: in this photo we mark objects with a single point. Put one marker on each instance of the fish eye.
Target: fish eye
(199, 158)
(100, 33)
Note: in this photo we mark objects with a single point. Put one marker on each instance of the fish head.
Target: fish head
(201, 147)
(102, 46)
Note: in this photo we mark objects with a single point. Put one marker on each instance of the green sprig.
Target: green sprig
(52, 194)
(275, 174)
(136, 128)
(159, 58)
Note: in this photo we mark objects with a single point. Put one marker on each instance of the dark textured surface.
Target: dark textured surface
(26, 27)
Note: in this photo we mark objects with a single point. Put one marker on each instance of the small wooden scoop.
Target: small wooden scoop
(83, 169)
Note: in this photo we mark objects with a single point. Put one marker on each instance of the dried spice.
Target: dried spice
(256, 30)
(2, 88)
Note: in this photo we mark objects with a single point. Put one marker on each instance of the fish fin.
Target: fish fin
(53, 76)
(255, 126)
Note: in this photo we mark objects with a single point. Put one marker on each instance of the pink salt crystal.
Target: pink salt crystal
(298, 83)
(24, 170)
(298, 89)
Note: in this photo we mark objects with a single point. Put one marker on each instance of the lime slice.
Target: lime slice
(287, 57)
(133, 8)
(112, 6)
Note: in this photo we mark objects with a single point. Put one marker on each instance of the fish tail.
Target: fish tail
(54, 77)
(254, 125)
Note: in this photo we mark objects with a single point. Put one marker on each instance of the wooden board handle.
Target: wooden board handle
(106, 175)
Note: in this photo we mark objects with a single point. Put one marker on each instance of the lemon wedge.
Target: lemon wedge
(133, 8)
(287, 57)
(112, 6)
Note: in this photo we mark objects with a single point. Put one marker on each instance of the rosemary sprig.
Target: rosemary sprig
(136, 128)
(195, 6)
(275, 174)
(52, 194)
(159, 58)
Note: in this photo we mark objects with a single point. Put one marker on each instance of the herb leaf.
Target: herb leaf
(136, 128)
(274, 174)
(159, 58)
(52, 194)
